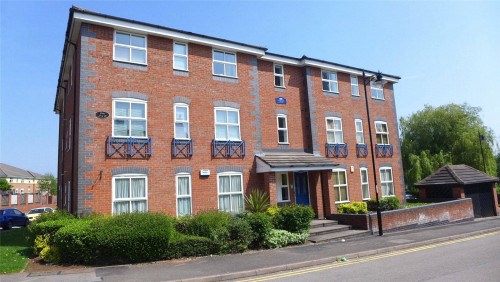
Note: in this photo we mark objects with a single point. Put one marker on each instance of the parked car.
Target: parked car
(34, 213)
(12, 217)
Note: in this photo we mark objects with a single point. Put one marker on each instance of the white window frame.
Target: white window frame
(186, 56)
(131, 101)
(280, 186)
(367, 183)
(361, 132)
(219, 194)
(225, 63)
(284, 129)
(227, 109)
(377, 90)
(334, 130)
(385, 182)
(331, 82)
(338, 186)
(130, 199)
(377, 132)
(69, 134)
(145, 48)
(354, 85)
(281, 75)
(182, 105)
(189, 195)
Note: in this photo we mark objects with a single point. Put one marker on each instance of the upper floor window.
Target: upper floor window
(69, 133)
(282, 129)
(224, 63)
(130, 194)
(230, 188)
(354, 85)
(130, 48)
(227, 124)
(180, 56)
(377, 90)
(129, 118)
(386, 181)
(382, 133)
(334, 134)
(282, 189)
(183, 182)
(340, 189)
(330, 82)
(181, 121)
(360, 138)
(365, 188)
(279, 77)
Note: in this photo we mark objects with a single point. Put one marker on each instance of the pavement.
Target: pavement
(252, 263)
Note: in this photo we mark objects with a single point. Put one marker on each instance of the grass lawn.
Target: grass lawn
(412, 205)
(14, 250)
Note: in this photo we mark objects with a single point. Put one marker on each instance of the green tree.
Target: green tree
(448, 134)
(4, 185)
(48, 183)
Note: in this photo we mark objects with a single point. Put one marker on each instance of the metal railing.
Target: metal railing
(361, 150)
(384, 150)
(337, 150)
(182, 148)
(119, 147)
(228, 149)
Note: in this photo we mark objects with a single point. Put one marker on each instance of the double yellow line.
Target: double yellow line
(361, 260)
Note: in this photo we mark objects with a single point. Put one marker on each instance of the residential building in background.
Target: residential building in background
(157, 119)
(22, 181)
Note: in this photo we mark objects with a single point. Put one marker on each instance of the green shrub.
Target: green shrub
(240, 236)
(386, 204)
(189, 246)
(281, 238)
(212, 224)
(261, 226)
(353, 208)
(57, 215)
(273, 210)
(257, 201)
(50, 227)
(50, 254)
(181, 224)
(293, 218)
(41, 241)
(74, 243)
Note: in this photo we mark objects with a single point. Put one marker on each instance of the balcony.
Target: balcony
(361, 150)
(228, 149)
(384, 150)
(336, 150)
(129, 147)
(182, 148)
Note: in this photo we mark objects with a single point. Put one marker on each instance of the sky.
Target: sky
(445, 52)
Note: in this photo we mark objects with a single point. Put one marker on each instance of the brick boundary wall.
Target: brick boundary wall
(44, 201)
(432, 214)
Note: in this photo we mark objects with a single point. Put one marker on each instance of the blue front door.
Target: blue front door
(301, 188)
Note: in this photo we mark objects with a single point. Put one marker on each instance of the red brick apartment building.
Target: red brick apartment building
(158, 119)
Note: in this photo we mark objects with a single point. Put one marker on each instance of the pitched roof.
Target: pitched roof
(292, 162)
(12, 171)
(456, 174)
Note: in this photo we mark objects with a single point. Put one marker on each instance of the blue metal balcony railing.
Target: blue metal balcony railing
(383, 151)
(118, 147)
(361, 150)
(228, 149)
(336, 150)
(182, 148)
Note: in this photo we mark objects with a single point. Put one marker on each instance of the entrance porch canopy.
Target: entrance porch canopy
(277, 162)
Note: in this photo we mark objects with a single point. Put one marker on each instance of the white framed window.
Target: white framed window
(340, 188)
(282, 187)
(354, 85)
(129, 118)
(330, 83)
(183, 192)
(365, 187)
(282, 129)
(181, 121)
(180, 56)
(386, 181)
(130, 194)
(360, 137)
(382, 133)
(334, 134)
(224, 63)
(377, 90)
(130, 48)
(279, 76)
(230, 188)
(227, 124)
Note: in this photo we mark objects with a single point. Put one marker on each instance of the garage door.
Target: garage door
(482, 200)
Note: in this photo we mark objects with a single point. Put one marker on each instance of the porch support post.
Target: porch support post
(458, 192)
(328, 200)
(270, 186)
(316, 194)
(495, 199)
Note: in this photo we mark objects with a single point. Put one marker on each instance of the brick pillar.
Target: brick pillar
(270, 187)
(458, 192)
(316, 193)
(495, 199)
(328, 199)
(422, 195)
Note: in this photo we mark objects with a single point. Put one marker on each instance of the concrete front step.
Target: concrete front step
(328, 229)
(348, 234)
(322, 223)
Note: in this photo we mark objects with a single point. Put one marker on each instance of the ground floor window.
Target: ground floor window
(183, 194)
(130, 194)
(365, 188)
(230, 187)
(340, 186)
(282, 187)
(386, 181)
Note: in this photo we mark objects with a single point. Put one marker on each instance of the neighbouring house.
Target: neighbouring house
(22, 181)
(462, 181)
(158, 119)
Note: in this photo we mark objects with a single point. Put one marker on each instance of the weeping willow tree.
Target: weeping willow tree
(449, 134)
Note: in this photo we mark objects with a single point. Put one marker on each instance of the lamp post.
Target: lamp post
(481, 139)
(366, 80)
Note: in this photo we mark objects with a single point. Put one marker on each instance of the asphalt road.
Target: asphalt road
(470, 259)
